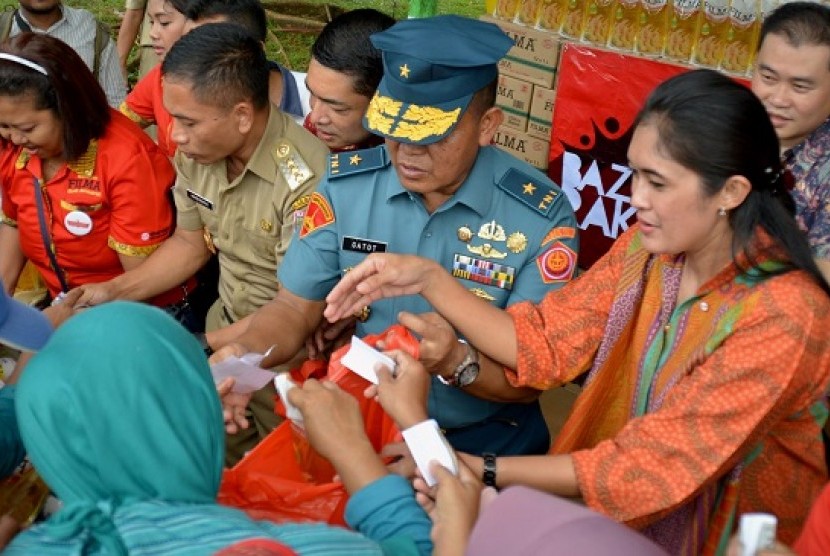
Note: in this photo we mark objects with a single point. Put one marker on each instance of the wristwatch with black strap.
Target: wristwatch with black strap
(467, 371)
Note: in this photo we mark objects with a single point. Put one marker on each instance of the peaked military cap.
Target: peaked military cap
(432, 67)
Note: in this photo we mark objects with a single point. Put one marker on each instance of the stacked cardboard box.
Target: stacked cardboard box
(525, 94)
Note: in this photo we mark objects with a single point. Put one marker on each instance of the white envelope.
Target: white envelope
(361, 359)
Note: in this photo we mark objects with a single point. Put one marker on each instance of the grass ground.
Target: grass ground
(293, 24)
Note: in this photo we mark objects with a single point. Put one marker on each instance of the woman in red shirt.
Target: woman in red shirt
(84, 190)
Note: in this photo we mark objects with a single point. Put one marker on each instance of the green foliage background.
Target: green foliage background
(293, 24)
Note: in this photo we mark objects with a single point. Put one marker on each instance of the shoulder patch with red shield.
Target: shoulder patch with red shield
(318, 214)
(557, 263)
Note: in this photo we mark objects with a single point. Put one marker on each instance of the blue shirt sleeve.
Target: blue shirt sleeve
(311, 266)
(386, 511)
(11, 447)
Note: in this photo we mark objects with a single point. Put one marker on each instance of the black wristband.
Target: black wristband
(202, 339)
(488, 477)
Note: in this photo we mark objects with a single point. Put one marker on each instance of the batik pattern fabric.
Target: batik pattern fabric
(809, 163)
(690, 412)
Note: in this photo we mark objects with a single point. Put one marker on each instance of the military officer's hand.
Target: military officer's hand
(329, 336)
(379, 275)
(439, 349)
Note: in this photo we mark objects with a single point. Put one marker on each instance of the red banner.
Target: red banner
(597, 98)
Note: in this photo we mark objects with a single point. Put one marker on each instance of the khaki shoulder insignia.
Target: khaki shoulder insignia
(294, 169)
(529, 191)
(348, 163)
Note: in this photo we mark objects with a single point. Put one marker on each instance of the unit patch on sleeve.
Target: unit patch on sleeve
(557, 263)
(483, 272)
(317, 215)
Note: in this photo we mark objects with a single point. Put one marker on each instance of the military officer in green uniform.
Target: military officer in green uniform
(440, 190)
(245, 174)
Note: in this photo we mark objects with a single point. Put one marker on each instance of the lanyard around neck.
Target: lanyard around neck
(48, 243)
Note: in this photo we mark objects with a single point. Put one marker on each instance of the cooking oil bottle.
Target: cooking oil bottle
(712, 33)
(684, 25)
(653, 28)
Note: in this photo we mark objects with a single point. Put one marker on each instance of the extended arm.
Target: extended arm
(176, 260)
(387, 275)
(285, 322)
(127, 34)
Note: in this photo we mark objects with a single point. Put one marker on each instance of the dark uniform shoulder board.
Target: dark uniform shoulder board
(529, 190)
(348, 163)
(293, 167)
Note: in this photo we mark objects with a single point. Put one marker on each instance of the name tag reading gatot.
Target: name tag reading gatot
(192, 195)
(360, 245)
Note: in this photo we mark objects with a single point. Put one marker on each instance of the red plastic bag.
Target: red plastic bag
(283, 478)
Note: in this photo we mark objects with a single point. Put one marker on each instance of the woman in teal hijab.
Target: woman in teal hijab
(120, 415)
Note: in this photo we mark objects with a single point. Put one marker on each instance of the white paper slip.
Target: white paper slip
(283, 384)
(248, 375)
(426, 443)
(757, 532)
(361, 359)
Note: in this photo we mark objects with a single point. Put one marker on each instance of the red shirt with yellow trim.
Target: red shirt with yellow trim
(145, 107)
(112, 200)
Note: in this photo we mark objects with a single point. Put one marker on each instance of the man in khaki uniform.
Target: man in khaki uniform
(245, 174)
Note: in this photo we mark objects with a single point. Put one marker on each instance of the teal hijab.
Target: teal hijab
(120, 407)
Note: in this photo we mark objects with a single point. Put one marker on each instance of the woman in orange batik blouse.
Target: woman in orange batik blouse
(701, 336)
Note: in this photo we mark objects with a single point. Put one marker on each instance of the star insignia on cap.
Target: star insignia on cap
(529, 188)
(354, 160)
(405, 71)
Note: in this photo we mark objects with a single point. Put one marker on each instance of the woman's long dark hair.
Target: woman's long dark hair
(718, 128)
(69, 89)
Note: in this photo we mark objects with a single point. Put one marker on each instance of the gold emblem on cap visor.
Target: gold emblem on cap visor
(416, 123)
(517, 242)
(465, 234)
(405, 71)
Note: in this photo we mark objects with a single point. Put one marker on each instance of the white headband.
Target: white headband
(24, 62)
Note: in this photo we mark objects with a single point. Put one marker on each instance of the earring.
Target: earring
(721, 211)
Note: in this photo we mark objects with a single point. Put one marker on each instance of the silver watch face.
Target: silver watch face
(468, 374)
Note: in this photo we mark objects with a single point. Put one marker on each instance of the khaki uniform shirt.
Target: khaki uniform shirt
(250, 221)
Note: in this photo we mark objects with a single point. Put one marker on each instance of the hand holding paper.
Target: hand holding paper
(361, 358)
